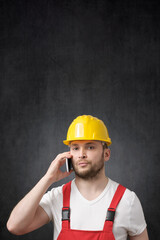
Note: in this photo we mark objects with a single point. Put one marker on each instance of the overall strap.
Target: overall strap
(66, 206)
(117, 196)
(112, 208)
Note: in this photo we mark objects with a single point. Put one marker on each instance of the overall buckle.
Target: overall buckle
(110, 214)
(65, 213)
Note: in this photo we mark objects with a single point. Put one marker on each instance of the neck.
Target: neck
(93, 187)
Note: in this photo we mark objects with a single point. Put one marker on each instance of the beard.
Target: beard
(91, 171)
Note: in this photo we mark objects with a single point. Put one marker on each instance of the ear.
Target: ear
(107, 153)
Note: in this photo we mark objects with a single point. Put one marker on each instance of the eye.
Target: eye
(75, 148)
(91, 147)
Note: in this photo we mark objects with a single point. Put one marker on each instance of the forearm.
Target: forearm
(24, 212)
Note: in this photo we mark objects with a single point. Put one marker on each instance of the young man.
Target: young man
(92, 206)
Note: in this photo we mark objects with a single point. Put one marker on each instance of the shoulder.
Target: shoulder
(131, 209)
(56, 191)
(51, 201)
(52, 195)
(129, 212)
(129, 197)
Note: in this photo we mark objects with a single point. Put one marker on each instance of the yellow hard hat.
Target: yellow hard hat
(87, 127)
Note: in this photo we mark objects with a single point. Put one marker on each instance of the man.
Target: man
(79, 208)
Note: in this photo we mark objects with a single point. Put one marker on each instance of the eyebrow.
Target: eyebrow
(89, 143)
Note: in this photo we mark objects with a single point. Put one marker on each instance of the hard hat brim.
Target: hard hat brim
(67, 142)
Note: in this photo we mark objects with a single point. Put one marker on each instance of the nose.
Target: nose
(82, 153)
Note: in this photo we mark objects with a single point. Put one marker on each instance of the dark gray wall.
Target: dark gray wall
(61, 59)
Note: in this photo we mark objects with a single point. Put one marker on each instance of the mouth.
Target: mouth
(83, 163)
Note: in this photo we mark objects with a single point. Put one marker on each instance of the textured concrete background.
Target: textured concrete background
(61, 59)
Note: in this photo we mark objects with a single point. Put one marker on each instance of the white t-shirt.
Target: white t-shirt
(90, 215)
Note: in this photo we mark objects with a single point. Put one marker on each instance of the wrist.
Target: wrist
(48, 179)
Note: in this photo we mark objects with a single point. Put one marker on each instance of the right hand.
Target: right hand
(54, 173)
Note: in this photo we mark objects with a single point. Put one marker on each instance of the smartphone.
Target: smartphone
(69, 166)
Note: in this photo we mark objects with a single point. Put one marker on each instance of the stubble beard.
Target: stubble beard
(92, 172)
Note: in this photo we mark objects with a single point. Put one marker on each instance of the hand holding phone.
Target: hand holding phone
(69, 166)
